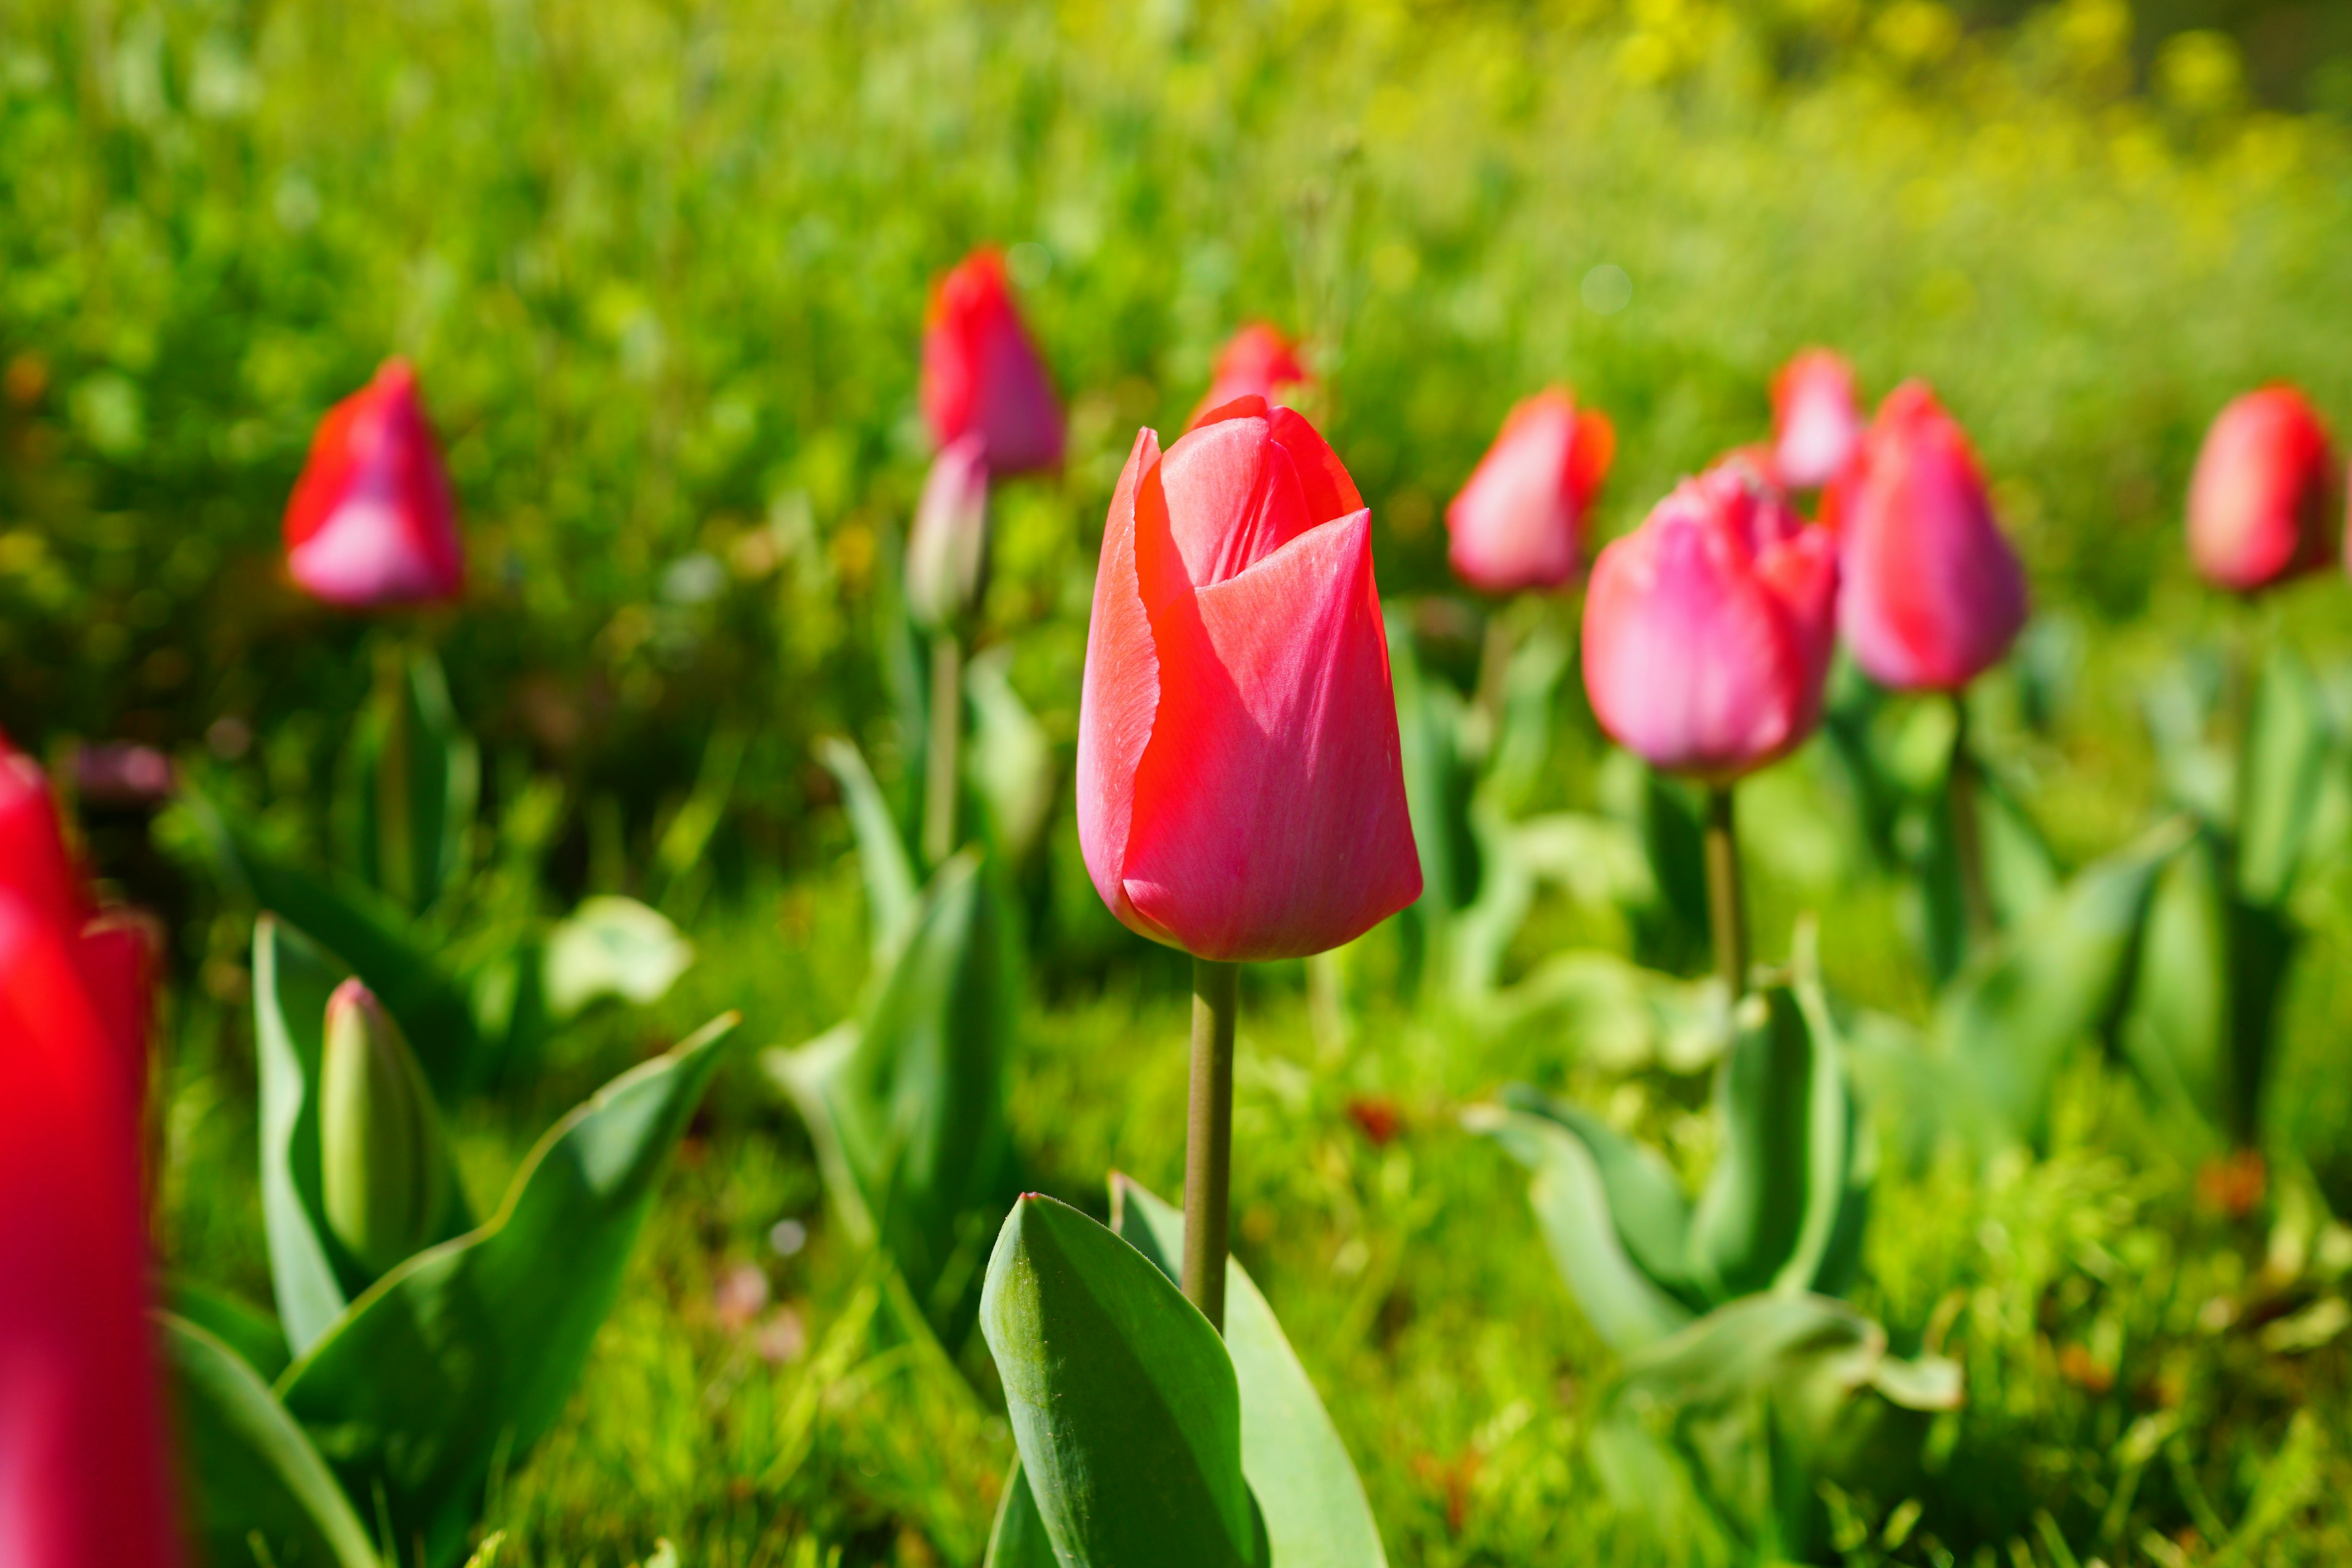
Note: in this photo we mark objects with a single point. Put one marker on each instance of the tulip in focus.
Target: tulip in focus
(1520, 522)
(1930, 593)
(1256, 361)
(2258, 503)
(1816, 420)
(981, 373)
(381, 1166)
(1240, 793)
(372, 523)
(947, 553)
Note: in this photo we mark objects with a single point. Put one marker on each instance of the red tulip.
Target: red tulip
(1240, 793)
(1520, 520)
(371, 522)
(1816, 421)
(1708, 630)
(1931, 593)
(2258, 503)
(982, 374)
(1256, 361)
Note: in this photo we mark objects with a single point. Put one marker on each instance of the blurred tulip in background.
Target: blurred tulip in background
(1520, 522)
(2259, 501)
(1256, 361)
(372, 522)
(982, 374)
(1816, 419)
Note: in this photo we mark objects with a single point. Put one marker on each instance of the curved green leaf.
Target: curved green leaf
(1018, 1539)
(2282, 767)
(1010, 762)
(882, 855)
(611, 946)
(251, 1333)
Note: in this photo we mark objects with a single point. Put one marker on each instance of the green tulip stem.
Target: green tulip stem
(940, 762)
(1967, 837)
(1727, 905)
(395, 847)
(1209, 1137)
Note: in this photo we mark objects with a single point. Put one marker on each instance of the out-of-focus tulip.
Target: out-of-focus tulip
(122, 774)
(1708, 630)
(2258, 503)
(1256, 361)
(1816, 419)
(381, 1167)
(1930, 593)
(1520, 522)
(947, 553)
(1240, 793)
(372, 522)
(981, 373)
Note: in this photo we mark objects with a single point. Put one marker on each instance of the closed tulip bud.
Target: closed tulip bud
(1520, 522)
(982, 375)
(383, 1171)
(1816, 419)
(1930, 593)
(1240, 793)
(1708, 630)
(372, 522)
(947, 554)
(1256, 361)
(2258, 503)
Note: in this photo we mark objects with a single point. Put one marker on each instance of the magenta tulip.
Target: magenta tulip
(981, 373)
(1816, 419)
(1520, 520)
(1240, 792)
(1256, 361)
(2259, 501)
(1931, 594)
(1708, 630)
(372, 523)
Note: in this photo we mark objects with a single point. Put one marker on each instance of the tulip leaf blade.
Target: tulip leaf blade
(1010, 762)
(2282, 767)
(882, 858)
(1018, 1538)
(251, 1333)
(412, 783)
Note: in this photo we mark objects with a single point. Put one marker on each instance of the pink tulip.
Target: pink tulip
(1240, 792)
(372, 523)
(2258, 502)
(1931, 593)
(1708, 630)
(1256, 361)
(947, 551)
(1520, 522)
(982, 375)
(1816, 420)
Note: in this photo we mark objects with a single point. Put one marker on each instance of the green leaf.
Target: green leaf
(248, 1330)
(611, 946)
(2021, 871)
(881, 852)
(461, 1357)
(1438, 782)
(2281, 770)
(249, 1474)
(1018, 1539)
(1009, 762)
(1122, 1399)
(412, 780)
(1317, 1515)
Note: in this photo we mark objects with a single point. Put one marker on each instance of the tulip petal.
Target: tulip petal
(1121, 689)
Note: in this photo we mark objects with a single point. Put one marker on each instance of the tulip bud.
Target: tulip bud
(2258, 503)
(1930, 594)
(371, 522)
(982, 375)
(1816, 421)
(947, 554)
(1520, 520)
(1256, 361)
(1708, 630)
(383, 1169)
(1240, 792)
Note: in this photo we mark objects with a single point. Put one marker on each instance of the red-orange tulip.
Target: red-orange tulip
(371, 522)
(1256, 361)
(1520, 520)
(2258, 503)
(1240, 793)
(981, 373)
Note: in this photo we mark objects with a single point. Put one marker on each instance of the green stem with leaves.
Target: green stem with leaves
(1968, 834)
(1727, 905)
(940, 762)
(1209, 1137)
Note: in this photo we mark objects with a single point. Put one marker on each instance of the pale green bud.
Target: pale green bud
(383, 1172)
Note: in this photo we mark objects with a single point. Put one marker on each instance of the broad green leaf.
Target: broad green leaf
(2282, 767)
(1122, 1399)
(1646, 1202)
(414, 779)
(1522, 743)
(461, 1357)
(611, 946)
(1317, 1515)
(881, 853)
(1438, 782)
(248, 1330)
(2180, 705)
(1018, 1539)
(2020, 872)
(1672, 932)
(249, 1473)
(1009, 762)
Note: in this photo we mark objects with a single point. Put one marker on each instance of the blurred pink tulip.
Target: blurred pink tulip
(1708, 630)
(1816, 419)
(1930, 593)
(372, 523)
(1240, 792)
(2258, 503)
(981, 373)
(947, 552)
(1256, 361)
(1520, 520)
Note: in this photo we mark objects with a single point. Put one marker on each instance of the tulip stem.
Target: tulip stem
(1209, 1137)
(940, 762)
(1967, 837)
(1727, 904)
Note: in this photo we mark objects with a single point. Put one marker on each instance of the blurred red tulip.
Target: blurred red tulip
(981, 373)
(1240, 793)
(1256, 361)
(947, 551)
(2258, 503)
(1816, 420)
(1930, 594)
(1520, 522)
(123, 773)
(1708, 630)
(372, 523)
